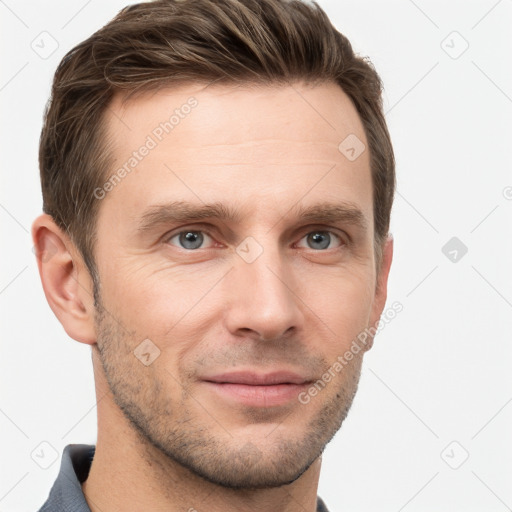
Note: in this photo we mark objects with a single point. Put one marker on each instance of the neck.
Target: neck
(129, 474)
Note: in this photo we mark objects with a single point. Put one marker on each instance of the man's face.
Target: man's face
(248, 310)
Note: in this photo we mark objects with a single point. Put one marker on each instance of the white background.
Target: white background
(438, 373)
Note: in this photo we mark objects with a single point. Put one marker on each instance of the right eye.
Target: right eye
(189, 239)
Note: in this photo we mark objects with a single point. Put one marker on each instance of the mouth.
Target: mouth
(257, 389)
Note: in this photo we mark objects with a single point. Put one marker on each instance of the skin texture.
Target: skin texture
(166, 439)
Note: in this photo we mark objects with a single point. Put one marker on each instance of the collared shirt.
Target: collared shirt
(66, 494)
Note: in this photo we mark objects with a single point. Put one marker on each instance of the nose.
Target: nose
(261, 301)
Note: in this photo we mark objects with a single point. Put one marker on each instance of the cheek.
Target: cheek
(145, 287)
(173, 308)
(342, 301)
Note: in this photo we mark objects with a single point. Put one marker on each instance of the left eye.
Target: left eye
(320, 240)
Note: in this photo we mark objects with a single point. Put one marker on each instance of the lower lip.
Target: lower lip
(257, 396)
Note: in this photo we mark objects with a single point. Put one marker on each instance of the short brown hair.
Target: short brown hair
(158, 44)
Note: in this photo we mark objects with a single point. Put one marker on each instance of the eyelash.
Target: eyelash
(344, 241)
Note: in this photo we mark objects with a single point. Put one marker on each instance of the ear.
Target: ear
(66, 281)
(381, 289)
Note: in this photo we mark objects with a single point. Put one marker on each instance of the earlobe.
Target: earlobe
(66, 281)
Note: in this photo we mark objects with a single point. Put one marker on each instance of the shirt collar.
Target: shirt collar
(66, 493)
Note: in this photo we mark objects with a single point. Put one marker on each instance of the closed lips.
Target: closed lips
(257, 379)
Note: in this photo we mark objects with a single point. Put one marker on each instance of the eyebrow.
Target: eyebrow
(182, 211)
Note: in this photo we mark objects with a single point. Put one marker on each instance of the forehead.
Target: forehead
(233, 113)
(273, 145)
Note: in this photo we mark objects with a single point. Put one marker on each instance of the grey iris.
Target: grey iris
(319, 238)
(191, 239)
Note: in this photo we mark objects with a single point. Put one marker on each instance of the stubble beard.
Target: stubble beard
(168, 425)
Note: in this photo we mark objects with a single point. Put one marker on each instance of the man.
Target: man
(217, 181)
